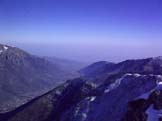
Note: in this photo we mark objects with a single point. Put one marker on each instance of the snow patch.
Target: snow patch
(5, 47)
(159, 77)
(107, 90)
(77, 111)
(84, 115)
(144, 96)
(93, 98)
(137, 75)
(160, 83)
(153, 115)
(128, 74)
(82, 109)
(114, 85)
(92, 84)
(58, 92)
(159, 86)
(66, 85)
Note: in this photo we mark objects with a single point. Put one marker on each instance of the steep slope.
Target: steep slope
(111, 105)
(78, 100)
(50, 106)
(24, 76)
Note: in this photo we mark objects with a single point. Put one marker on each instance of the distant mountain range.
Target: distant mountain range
(24, 76)
(127, 91)
(141, 66)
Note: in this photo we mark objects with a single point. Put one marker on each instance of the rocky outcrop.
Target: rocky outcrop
(149, 109)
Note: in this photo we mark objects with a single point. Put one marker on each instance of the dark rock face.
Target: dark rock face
(24, 76)
(137, 110)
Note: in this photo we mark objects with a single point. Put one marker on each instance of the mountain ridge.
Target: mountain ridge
(142, 66)
(24, 76)
(89, 102)
(124, 91)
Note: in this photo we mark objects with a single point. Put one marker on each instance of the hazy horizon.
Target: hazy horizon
(83, 30)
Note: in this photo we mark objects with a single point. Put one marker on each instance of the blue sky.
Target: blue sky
(86, 30)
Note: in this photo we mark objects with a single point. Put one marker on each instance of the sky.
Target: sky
(84, 30)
